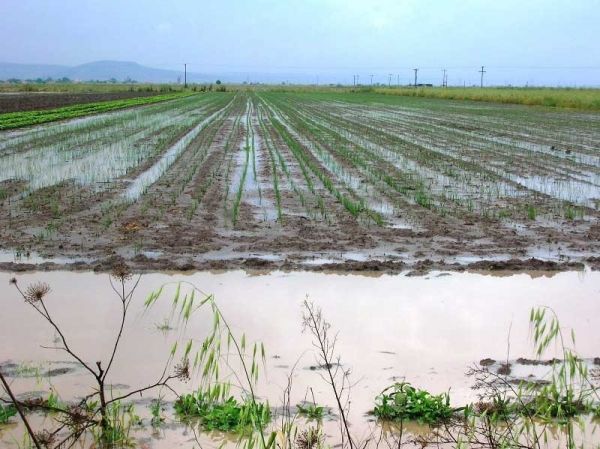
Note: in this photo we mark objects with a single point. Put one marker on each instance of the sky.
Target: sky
(554, 42)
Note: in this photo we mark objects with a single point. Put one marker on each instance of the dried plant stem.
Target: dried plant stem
(326, 346)
(20, 410)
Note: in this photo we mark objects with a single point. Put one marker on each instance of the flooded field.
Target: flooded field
(429, 331)
(291, 180)
(460, 217)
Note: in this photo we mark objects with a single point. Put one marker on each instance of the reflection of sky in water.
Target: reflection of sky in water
(428, 330)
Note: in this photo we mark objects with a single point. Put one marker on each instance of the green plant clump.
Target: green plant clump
(311, 411)
(117, 432)
(226, 416)
(156, 409)
(402, 401)
(7, 412)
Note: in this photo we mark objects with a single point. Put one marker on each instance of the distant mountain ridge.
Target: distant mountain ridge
(123, 70)
(97, 71)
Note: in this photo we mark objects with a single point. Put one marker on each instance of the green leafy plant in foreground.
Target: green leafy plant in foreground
(7, 412)
(402, 401)
(229, 415)
(311, 411)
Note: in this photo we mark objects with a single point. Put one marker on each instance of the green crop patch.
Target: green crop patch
(14, 120)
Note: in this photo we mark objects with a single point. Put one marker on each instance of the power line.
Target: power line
(373, 68)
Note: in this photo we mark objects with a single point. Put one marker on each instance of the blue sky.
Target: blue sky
(524, 41)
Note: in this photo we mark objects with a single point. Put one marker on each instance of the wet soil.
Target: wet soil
(288, 217)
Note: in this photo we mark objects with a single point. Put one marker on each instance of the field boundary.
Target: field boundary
(585, 99)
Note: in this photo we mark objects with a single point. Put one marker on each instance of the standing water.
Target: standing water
(426, 330)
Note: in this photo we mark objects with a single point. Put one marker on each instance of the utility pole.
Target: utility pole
(444, 79)
(184, 75)
(416, 70)
(398, 80)
(389, 80)
(482, 72)
(371, 79)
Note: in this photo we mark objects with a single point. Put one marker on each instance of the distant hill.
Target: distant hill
(97, 71)
(123, 70)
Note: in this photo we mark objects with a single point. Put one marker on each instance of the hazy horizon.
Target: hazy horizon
(326, 41)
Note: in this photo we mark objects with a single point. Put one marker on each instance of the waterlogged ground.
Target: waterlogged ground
(427, 330)
(284, 180)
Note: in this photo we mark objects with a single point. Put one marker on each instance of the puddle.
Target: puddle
(465, 260)
(319, 261)
(428, 331)
(153, 254)
(400, 226)
(34, 258)
(584, 193)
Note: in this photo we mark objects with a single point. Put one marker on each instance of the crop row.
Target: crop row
(465, 168)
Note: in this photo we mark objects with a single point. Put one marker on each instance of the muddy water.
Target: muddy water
(427, 330)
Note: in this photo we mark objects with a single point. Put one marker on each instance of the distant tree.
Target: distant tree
(112, 81)
(218, 82)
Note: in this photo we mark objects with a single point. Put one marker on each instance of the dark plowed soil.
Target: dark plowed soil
(32, 101)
